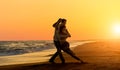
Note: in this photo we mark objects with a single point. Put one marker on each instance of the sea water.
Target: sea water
(8, 48)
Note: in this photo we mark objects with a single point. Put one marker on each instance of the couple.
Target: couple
(60, 36)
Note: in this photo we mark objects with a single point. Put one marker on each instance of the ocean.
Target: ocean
(8, 48)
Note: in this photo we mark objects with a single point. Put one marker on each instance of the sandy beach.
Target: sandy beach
(101, 55)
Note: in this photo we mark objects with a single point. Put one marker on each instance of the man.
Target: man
(57, 43)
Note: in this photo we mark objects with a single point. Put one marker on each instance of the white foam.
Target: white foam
(72, 45)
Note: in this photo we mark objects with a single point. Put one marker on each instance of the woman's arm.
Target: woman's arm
(65, 34)
(68, 33)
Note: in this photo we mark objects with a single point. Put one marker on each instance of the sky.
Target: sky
(33, 19)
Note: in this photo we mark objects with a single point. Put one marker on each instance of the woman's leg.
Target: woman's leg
(68, 51)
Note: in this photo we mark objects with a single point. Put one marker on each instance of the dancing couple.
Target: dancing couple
(60, 35)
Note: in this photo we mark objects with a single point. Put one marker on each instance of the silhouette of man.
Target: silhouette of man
(57, 43)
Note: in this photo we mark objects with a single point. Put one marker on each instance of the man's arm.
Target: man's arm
(57, 23)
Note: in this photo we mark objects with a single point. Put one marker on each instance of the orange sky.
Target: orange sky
(33, 19)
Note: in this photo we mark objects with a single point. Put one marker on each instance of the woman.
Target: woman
(64, 34)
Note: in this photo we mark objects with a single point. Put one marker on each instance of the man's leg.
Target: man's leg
(61, 56)
(53, 57)
(57, 45)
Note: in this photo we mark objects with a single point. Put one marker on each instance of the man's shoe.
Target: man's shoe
(51, 61)
(63, 62)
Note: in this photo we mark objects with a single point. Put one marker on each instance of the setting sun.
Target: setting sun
(116, 29)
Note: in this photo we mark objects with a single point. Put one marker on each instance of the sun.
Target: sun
(116, 30)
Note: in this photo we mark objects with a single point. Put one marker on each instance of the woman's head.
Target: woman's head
(63, 22)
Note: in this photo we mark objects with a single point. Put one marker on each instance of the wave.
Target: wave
(21, 47)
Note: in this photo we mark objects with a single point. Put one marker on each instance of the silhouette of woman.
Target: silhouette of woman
(64, 34)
